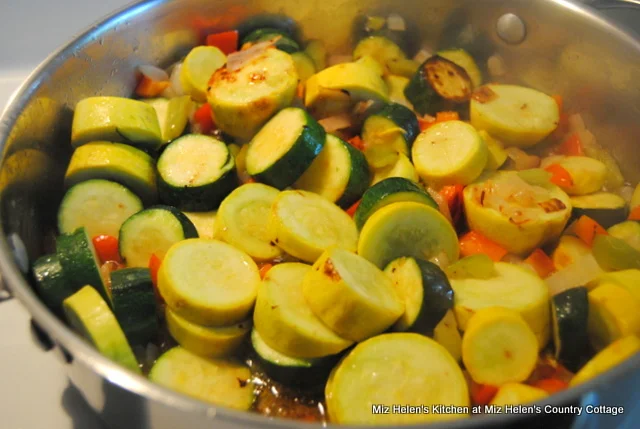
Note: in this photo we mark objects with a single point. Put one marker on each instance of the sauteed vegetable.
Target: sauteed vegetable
(266, 227)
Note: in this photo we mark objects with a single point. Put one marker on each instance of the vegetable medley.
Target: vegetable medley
(267, 228)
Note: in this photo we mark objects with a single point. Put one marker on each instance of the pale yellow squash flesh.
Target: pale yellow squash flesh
(609, 357)
(614, 313)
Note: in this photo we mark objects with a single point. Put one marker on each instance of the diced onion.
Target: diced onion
(584, 270)
(576, 123)
(626, 192)
(495, 65)
(521, 159)
(396, 23)
(339, 59)
(443, 206)
(175, 88)
(337, 122)
(154, 73)
(422, 55)
(238, 59)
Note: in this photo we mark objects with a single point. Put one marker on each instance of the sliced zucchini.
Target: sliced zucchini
(497, 156)
(351, 296)
(339, 173)
(518, 216)
(285, 320)
(205, 223)
(401, 168)
(425, 291)
(515, 115)
(115, 119)
(198, 66)
(379, 48)
(134, 304)
(516, 394)
(569, 313)
(318, 53)
(51, 283)
(208, 282)
(306, 224)
(608, 358)
(117, 162)
(629, 231)
(298, 372)
(79, 261)
(98, 205)
(224, 382)
(513, 287)
(212, 342)
(450, 153)
(605, 208)
(466, 61)
(614, 313)
(304, 66)
(285, 147)
(448, 336)
(407, 229)
(478, 266)
(396, 85)
(613, 253)
(282, 40)
(499, 347)
(372, 64)
(439, 84)
(588, 175)
(389, 191)
(243, 100)
(152, 232)
(402, 368)
(569, 250)
(90, 316)
(173, 115)
(355, 80)
(195, 172)
(403, 67)
(388, 133)
(243, 221)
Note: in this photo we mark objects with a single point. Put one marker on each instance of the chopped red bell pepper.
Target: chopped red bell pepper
(107, 248)
(541, 262)
(559, 176)
(586, 229)
(351, 211)
(226, 41)
(473, 243)
(204, 118)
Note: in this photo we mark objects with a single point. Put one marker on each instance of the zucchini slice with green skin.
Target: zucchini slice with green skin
(448, 336)
(426, 293)
(299, 372)
(351, 295)
(588, 175)
(512, 287)
(380, 49)
(243, 100)
(80, 262)
(317, 51)
(569, 314)
(515, 115)
(466, 61)
(518, 216)
(100, 206)
(120, 163)
(610, 357)
(569, 250)
(173, 115)
(439, 84)
(134, 304)
(153, 231)
(198, 66)
(51, 283)
(614, 313)
(207, 341)
(499, 347)
(407, 229)
(115, 119)
(283, 41)
(339, 173)
(243, 221)
(605, 208)
(450, 153)
(517, 393)
(387, 133)
(429, 376)
(224, 382)
(285, 147)
(389, 191)
(629, 231)
(195, 173)
(88, 313)
(304, 66)
(306, 224)
(401, 168)
(615, 254)
(285, 320)
(208, 282)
